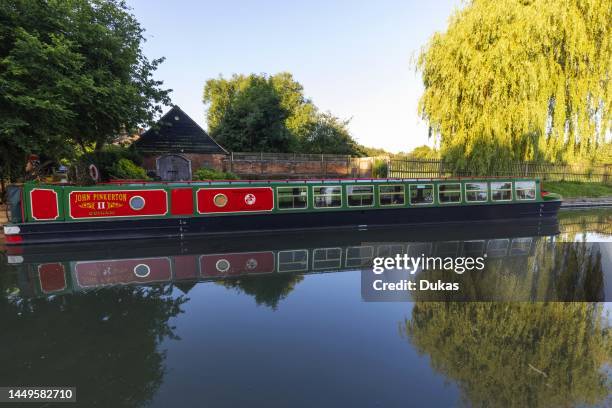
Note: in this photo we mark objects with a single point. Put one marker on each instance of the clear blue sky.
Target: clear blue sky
(352, 57)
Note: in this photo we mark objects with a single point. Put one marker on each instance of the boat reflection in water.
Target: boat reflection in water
(511, 250)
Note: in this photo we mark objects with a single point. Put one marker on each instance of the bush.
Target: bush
(205, 173)
(380, 168)
(127, 169)
(107, 162)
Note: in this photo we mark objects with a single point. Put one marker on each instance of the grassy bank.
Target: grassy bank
(570, 189)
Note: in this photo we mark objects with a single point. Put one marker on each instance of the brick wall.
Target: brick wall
(275, 168)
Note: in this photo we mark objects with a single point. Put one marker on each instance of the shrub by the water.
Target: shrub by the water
(127, 169)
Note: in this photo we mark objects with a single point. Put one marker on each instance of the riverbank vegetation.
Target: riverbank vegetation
(570, 189)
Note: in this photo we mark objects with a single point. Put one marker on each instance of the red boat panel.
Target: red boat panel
(182, 201)
(238, 199)
(44, 204)
(52, 277)
(186, 267)
(122, 271)
(117, 203)
(236, 264)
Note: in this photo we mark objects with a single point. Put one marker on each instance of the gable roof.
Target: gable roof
(176, 132)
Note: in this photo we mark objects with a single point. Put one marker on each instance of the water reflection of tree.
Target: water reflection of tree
(106, 343)
(564, 271)
(267, 290)
(516, 354)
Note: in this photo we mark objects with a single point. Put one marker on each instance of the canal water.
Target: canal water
(281, 321)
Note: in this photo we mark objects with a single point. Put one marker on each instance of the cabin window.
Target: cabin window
(525, 190)
(360, 196)
(391, 195)
(293, 261)
(326, 258)
(290, 198)
(359, 256)
(497, 247)
(449, 193)
(501, 191)
(520, 246)
(476, 192)
(327, 196)
(421, 194)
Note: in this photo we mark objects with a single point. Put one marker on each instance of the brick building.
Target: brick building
(177, 146)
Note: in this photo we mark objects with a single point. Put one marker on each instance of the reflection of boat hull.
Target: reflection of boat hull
(285, 240)
(180, 228)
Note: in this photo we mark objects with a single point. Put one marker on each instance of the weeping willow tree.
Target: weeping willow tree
(514, 80)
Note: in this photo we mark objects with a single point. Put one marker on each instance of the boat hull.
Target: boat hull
(56, 232)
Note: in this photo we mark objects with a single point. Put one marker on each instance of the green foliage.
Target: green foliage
(127, 169)
(516, 354)
(380, 168)
(574, 189)
(271, 114)
(205, 173)
(422, 153)
(328, 134)
(374, 151)
(267, 290)
(113, 162)
(520, 80)
(73, 76)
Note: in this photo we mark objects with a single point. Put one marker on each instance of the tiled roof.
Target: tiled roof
(176, 132)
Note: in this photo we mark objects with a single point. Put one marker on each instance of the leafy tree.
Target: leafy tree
(328, 134)
(72, 75)
(270, 113)
(422, 153)
(520, 80)
(248, 115)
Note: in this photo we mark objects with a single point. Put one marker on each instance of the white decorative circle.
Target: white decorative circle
(250, 199)
(223, 265)
(142, 270)
(137, 203)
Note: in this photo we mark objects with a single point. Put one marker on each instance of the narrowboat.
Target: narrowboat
(46, 213)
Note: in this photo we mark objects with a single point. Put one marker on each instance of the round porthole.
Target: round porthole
(220, 200)
(251, 264)
(222, 265)
(137, 203)
(142, 270)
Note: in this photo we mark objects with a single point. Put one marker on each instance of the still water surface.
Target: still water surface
(69, 317)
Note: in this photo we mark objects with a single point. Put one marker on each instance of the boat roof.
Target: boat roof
(306, 181)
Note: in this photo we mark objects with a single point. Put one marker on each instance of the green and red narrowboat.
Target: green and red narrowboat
(43, 213)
